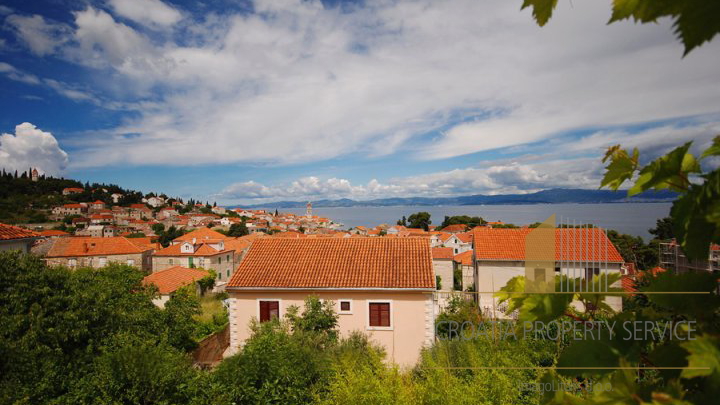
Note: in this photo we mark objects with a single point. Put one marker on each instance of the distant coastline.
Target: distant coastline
(552, 196)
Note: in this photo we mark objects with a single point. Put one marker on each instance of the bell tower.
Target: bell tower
(308, 210)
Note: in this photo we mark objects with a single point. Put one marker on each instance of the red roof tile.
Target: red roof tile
(200, 234)
(455, 228)
(86, 246)
(170, 280)
(571, 244)
(442, 253)
(336, 263)
(464, 258)
(8, 232)
(53, 232)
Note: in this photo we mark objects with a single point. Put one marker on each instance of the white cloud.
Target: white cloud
(32, 147)
(102, 41)
(14, 74)
(152, 13)
(576, 164)
(61, 88)
(297, 82)
(41, 36)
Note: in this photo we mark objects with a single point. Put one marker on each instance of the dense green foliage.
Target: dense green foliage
(237, 230)
(66, 336)
(25, 201)
(471, 222)
(419, 220)
(694, 21)
(167, 235)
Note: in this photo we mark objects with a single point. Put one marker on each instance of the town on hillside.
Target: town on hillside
(392, 281)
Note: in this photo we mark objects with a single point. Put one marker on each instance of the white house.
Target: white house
(500, 255)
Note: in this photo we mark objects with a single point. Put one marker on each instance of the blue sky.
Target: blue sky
(252, 101)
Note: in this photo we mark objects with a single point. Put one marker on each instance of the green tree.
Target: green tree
(55, 325)
(179, 312)
(663, 229)
(419, 220)
(238, 230)
(463, 220)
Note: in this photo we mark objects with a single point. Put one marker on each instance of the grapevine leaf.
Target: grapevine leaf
(585, 354)
(697, 23)
(694, 21)
(696, 216)
(669, 355)
(542, 9)
(713, 150)
(704, 353)
(621, 167)
(696, 304)
(667, 172)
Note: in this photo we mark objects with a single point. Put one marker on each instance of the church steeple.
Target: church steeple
(308, 210)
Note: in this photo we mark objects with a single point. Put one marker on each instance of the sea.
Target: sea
(629, 218)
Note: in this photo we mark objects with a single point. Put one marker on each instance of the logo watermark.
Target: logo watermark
(575, 386)
(572, 330)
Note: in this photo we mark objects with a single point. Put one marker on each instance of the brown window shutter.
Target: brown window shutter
(384, 314)
(264, 311)
(273, 309)
(379, 314)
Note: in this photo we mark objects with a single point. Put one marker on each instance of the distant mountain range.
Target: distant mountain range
(552, 196)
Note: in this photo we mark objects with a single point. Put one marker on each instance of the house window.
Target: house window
(130, 262)
(219, 259)
(539, 274)
(269, 310)
(345, 306)
(228, 258)
(170, 261)
(589, 273)
(228, 273)
(379, 314)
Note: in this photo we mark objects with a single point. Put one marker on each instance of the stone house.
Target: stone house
(97, 252)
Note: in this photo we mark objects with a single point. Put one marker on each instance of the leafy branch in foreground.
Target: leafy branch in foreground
(694, 21)
(696, 213)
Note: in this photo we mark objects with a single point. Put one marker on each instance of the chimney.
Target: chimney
(194, 241)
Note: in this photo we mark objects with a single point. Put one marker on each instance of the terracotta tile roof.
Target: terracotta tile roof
(87, 246)
(73, 189)
(455, 228)
(170, 280)
(289, 234)
(336, 263)
(138, 206)
(8, 232)
(442, 253)
(466, 237)
(203, 250)
(443, 236)
(72, 206)
(145, 242)
(97, 202)
(509, 244)
(200, 234)
(628, 284)
(237, 244)
(53, 232)
(464, 258)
